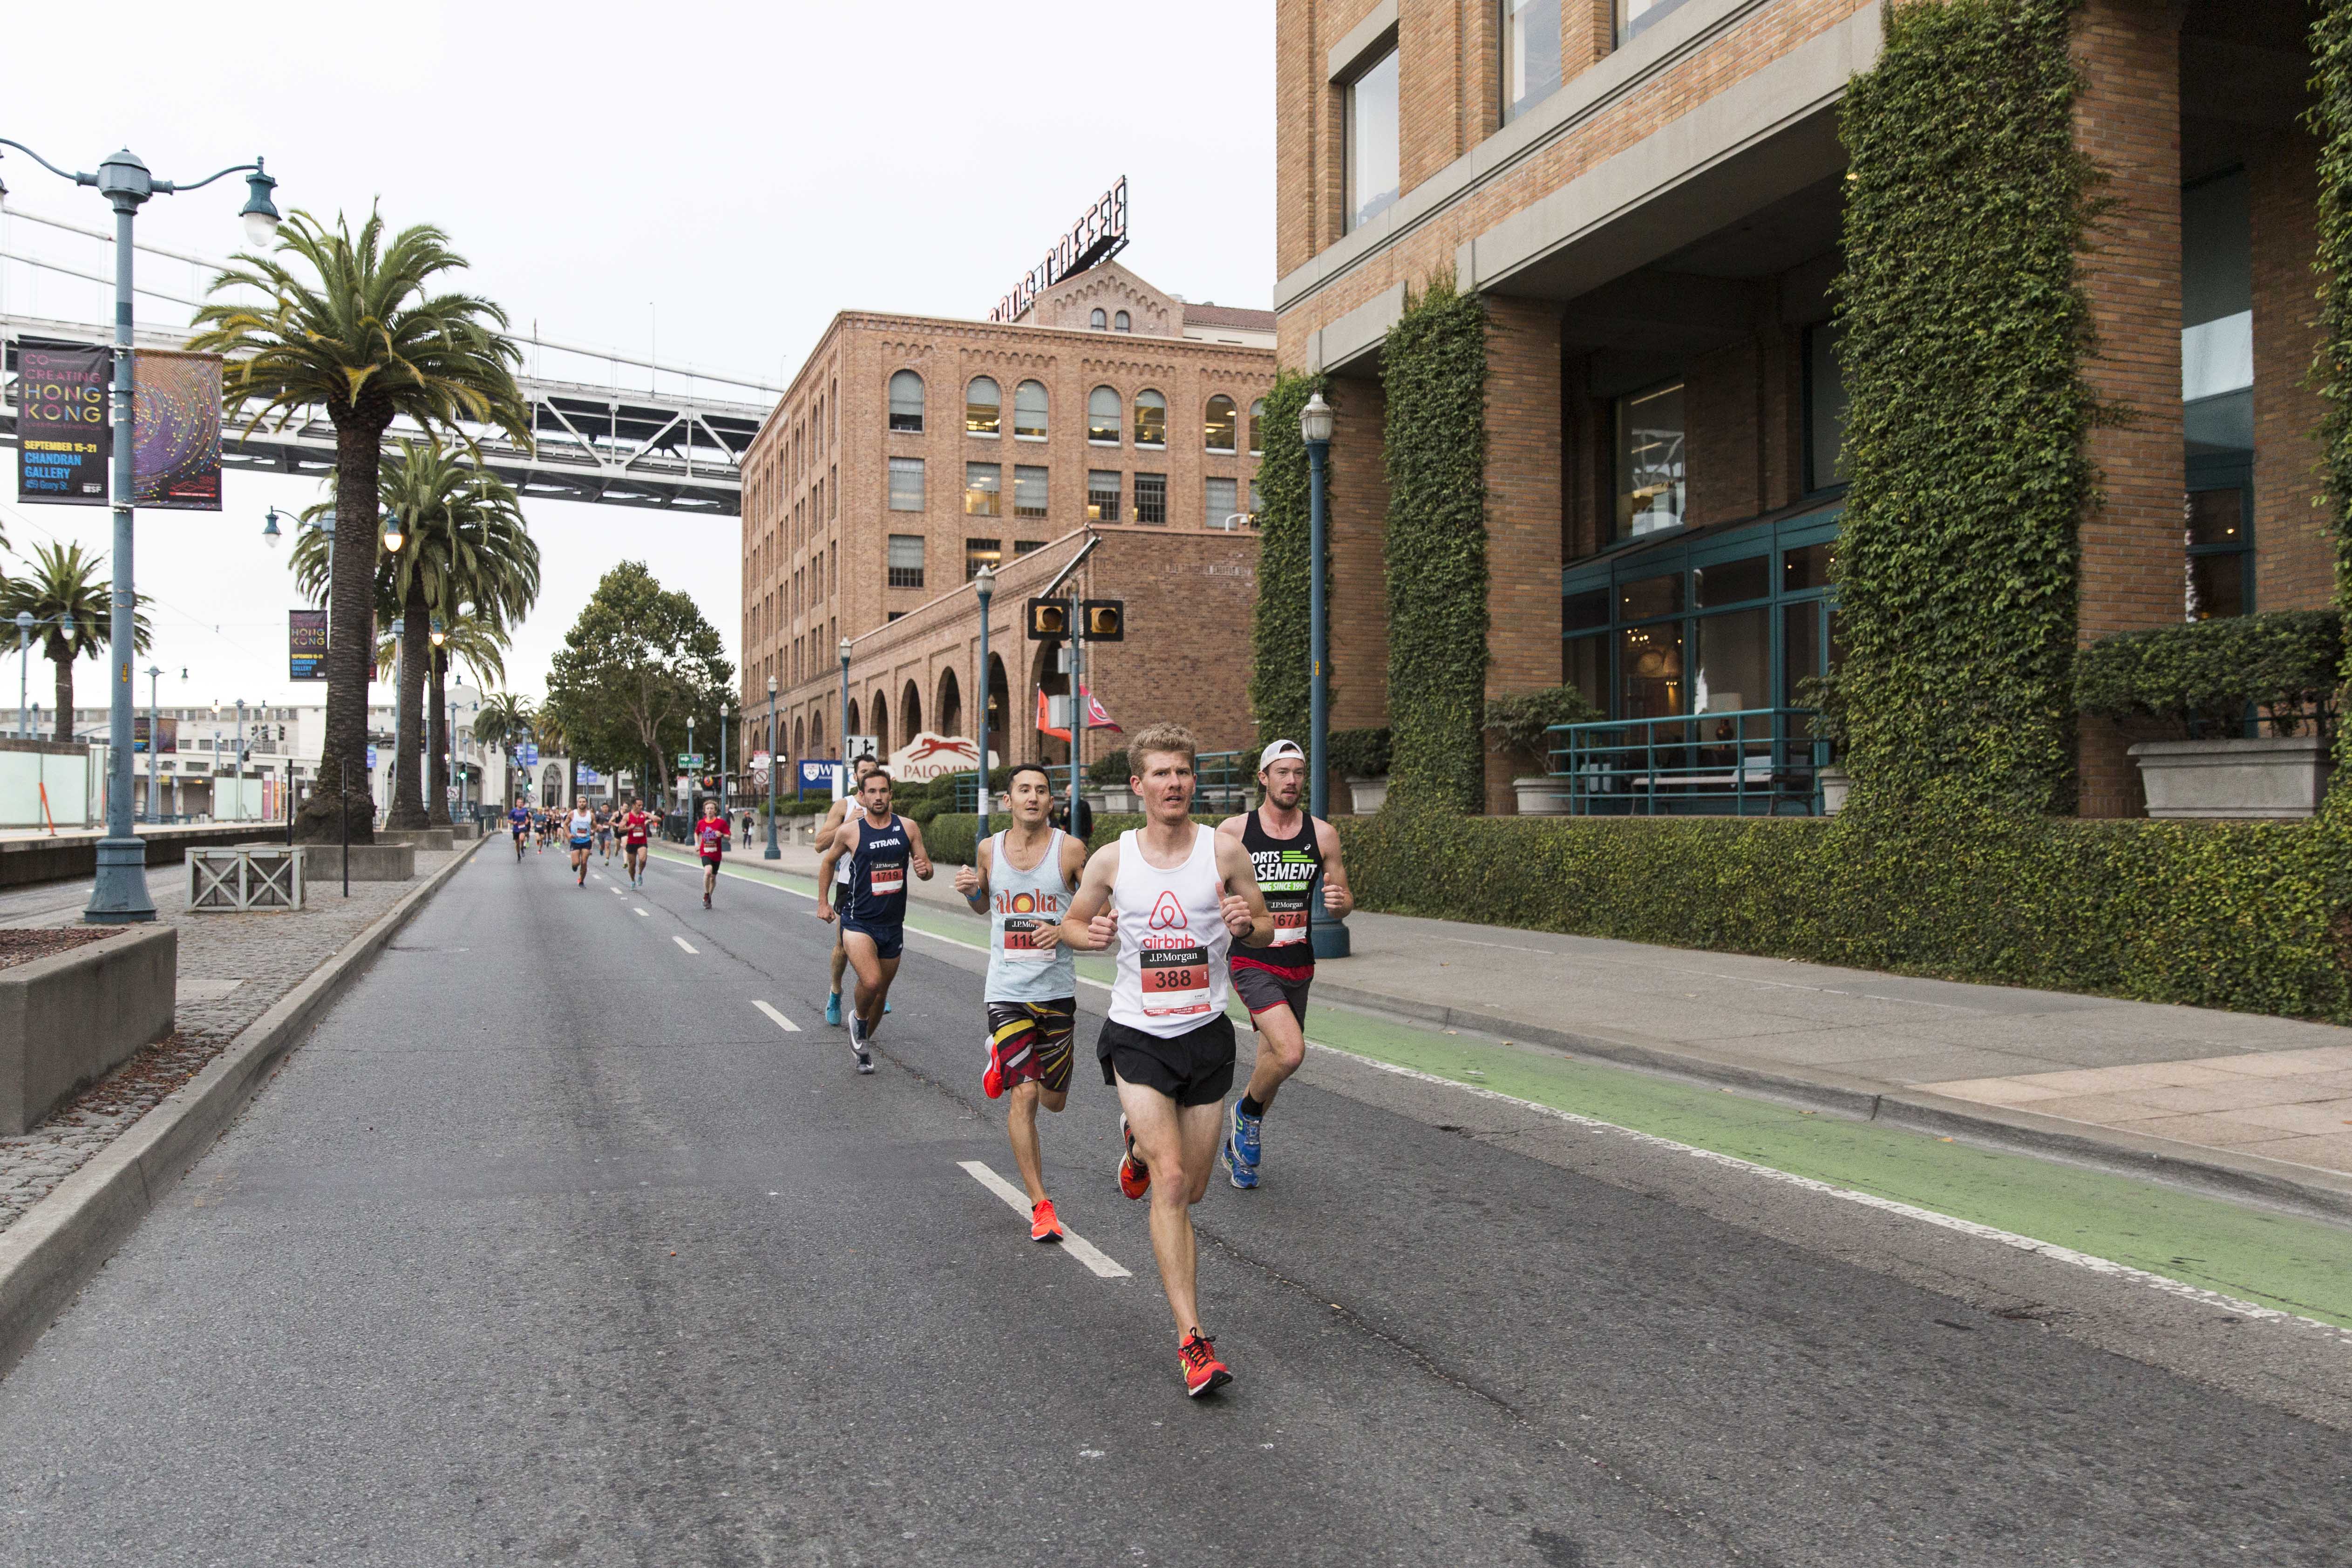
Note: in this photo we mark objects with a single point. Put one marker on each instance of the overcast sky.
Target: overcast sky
(716, 179)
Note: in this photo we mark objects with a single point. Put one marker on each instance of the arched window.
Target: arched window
(947, 713)
(983, 407)
(1097, 321)
(878, 714)
(1029, 411)
(1219, 434)
(1257, 427)
(1102, 417)
(1120, 323)
(1150, 419)
(816, 736)
(910, 713)
(907, 401)
(819, 730)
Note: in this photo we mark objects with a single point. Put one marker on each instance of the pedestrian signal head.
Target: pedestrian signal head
(1106, 619)
(1049, 620)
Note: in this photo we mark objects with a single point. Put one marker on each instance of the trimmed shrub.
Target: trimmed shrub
(2238, 915)
(1521, 720)
(1110, 770)
(2202, 673)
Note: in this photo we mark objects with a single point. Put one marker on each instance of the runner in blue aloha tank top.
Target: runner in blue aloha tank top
(881, 847)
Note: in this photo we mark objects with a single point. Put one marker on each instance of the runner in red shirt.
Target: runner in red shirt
(710, 836)
(636, 830)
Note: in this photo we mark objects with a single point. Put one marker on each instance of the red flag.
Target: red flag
(1045, 726)
(1097, 715)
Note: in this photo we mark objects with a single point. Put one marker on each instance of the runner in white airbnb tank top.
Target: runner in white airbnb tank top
(1171, 896)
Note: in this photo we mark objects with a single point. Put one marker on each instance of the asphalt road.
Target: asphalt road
(551, 1247)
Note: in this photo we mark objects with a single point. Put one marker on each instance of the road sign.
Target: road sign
(371, 758)
(689, 761)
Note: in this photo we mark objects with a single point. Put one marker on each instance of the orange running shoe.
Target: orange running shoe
(1044, 1225)
(992, 1082)
(1204, 1373)
(1134, 1176)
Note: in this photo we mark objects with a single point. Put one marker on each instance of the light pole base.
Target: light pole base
(119, 897)
(772, 853)
(1328, 937)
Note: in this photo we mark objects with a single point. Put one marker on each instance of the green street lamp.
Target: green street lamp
(773, 851)
(1316, 422)
(118, 894)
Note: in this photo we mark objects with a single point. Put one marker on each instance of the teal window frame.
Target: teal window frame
(1688, 554)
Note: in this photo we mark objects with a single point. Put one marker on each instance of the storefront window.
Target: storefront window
(1650, 461)
(1735, 662)
(1650, 659)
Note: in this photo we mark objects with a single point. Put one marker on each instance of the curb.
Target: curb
(2302, 1190)
(48, 1254)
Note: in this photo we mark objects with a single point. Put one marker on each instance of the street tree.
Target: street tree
(637, 664)
(503, 723)
(72, 609)
(359, 331)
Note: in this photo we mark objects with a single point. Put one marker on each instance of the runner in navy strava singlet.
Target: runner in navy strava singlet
(835, 814)
(882, 848)
(1170, 895)
(1291, 853)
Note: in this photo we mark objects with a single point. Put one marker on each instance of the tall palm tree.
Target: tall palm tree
(473, 640)
(364, 336)
(464, 547)
(74, 609)
(504, 720)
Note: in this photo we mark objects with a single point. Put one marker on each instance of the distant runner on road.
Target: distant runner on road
(881, 846)
(604, 833)
(834, 816)
(710, 835)
(636, 829)
(519, 824)
(1290, 851)
(1170, 895)
(1023, 881)
(580, 832)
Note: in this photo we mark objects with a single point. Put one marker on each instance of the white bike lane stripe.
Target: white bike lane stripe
(780, 1020)
(686, 945)
(1100, 1263)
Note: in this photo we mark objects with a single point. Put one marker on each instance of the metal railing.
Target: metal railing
(1746, 762)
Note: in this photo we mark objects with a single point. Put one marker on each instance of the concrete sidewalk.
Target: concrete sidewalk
(2252, 1105)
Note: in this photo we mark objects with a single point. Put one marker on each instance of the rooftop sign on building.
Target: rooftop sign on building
(1097, 236)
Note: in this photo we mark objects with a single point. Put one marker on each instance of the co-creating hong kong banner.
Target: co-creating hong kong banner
(306, 646)
(63, 440)
(175, 425)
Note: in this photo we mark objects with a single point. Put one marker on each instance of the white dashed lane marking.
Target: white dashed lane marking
(1100, 1263)
(685, 944)
(780, 1020)
(648, 916)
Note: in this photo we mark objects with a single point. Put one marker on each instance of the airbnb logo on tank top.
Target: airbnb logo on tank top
(1168, 915)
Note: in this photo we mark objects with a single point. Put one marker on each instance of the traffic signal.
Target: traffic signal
(1105, 620)
(1049, 620)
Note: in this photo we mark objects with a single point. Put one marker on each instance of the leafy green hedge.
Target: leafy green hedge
(1965, 332)
(2239, 916)
(1434, 369)
(1279, 672)
(2285, 661)
(1360, 753)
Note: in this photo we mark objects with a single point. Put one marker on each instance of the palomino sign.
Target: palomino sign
(929, 755)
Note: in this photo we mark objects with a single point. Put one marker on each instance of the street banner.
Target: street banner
(531, 754)
(306, 644)
(168, 727)
(1053, 713)
(929, 755)
(175, 430)
(63, 440)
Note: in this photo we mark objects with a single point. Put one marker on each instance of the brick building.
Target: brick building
(1647, 194)
(910, 451)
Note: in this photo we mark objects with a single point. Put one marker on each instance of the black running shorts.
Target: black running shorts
(1194, 1068)
(888, 940)
(1032, 1040)
(1262, 990)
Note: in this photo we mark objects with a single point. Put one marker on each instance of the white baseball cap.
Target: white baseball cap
(1276, 751)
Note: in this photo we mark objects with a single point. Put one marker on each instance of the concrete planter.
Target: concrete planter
(1124, 802)
(1540, 795)
(1834, 785)
(418, 837)
(1368, 795)
(462, 832)
(2279, 778)
(322, 866)
(70, 1019)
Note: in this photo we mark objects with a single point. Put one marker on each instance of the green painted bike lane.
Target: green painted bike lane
(2274, 1260)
